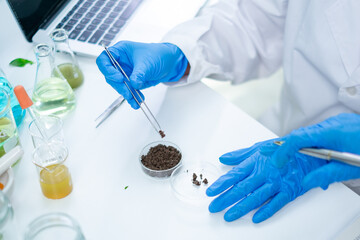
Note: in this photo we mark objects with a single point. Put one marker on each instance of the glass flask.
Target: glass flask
(65, 58)
(52, 94)
(18, 112)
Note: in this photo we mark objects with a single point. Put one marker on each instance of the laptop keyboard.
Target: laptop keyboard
(97, 21)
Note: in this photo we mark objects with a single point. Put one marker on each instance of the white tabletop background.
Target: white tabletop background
(103, 161)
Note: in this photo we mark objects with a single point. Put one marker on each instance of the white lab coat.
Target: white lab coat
(316, 41)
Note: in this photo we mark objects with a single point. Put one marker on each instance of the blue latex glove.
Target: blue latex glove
(255, 181)
(340, 133)
(146, 64)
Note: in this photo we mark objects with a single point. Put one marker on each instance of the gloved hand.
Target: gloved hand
(255, 181)
(146, 64)
(256, 174)
(340, 133)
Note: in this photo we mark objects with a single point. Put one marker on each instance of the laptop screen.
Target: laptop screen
(31, 14)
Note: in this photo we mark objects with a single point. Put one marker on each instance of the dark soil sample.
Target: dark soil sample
(162, 134)
(196, 182)
(161, 157)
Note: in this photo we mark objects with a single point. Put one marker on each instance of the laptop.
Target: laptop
(90, 23)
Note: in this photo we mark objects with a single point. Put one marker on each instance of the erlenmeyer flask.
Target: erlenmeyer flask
(65, 59)
(52, 94)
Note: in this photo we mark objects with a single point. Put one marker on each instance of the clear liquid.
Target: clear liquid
(8, 136)
(72, 74)
(53, 96)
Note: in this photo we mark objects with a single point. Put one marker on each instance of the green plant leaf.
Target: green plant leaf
(126, 187)
(20, 62)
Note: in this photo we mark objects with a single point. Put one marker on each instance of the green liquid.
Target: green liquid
(72, 74)
(8, 136)
(53, 96)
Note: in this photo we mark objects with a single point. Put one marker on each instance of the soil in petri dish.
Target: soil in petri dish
(161, 157)
(197, 182)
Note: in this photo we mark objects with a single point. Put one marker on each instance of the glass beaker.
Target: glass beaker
(65, 58)
(7, 228)
(52, 93)
(52, 125)
(18, 112)
(55, 178)
(54, 226)
(9, 137)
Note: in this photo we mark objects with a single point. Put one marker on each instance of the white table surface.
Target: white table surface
(103, 161)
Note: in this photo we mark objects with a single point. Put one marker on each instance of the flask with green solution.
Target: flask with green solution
(65, 58)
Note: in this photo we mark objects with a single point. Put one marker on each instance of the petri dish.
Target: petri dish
(182, 181)
(158, 174)
(54, 226)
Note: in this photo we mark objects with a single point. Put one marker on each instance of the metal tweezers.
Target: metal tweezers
(108, 111)
(135, 93)
(327, 154)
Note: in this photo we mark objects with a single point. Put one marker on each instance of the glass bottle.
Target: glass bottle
(65, 58)
(18, 112)
(52, 94)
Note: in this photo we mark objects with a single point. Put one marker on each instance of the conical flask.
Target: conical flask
(65, 58)
(52, 94)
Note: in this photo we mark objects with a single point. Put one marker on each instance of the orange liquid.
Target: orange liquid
(55, 183)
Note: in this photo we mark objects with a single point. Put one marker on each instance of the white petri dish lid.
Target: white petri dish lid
(182, 181)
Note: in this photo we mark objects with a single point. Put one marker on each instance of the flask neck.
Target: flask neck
(63, 53)
(45, 63)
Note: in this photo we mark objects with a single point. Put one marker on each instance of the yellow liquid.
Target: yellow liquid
(56, 181)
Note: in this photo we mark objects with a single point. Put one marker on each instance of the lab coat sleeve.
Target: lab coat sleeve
(233, 40)
(349, 92)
